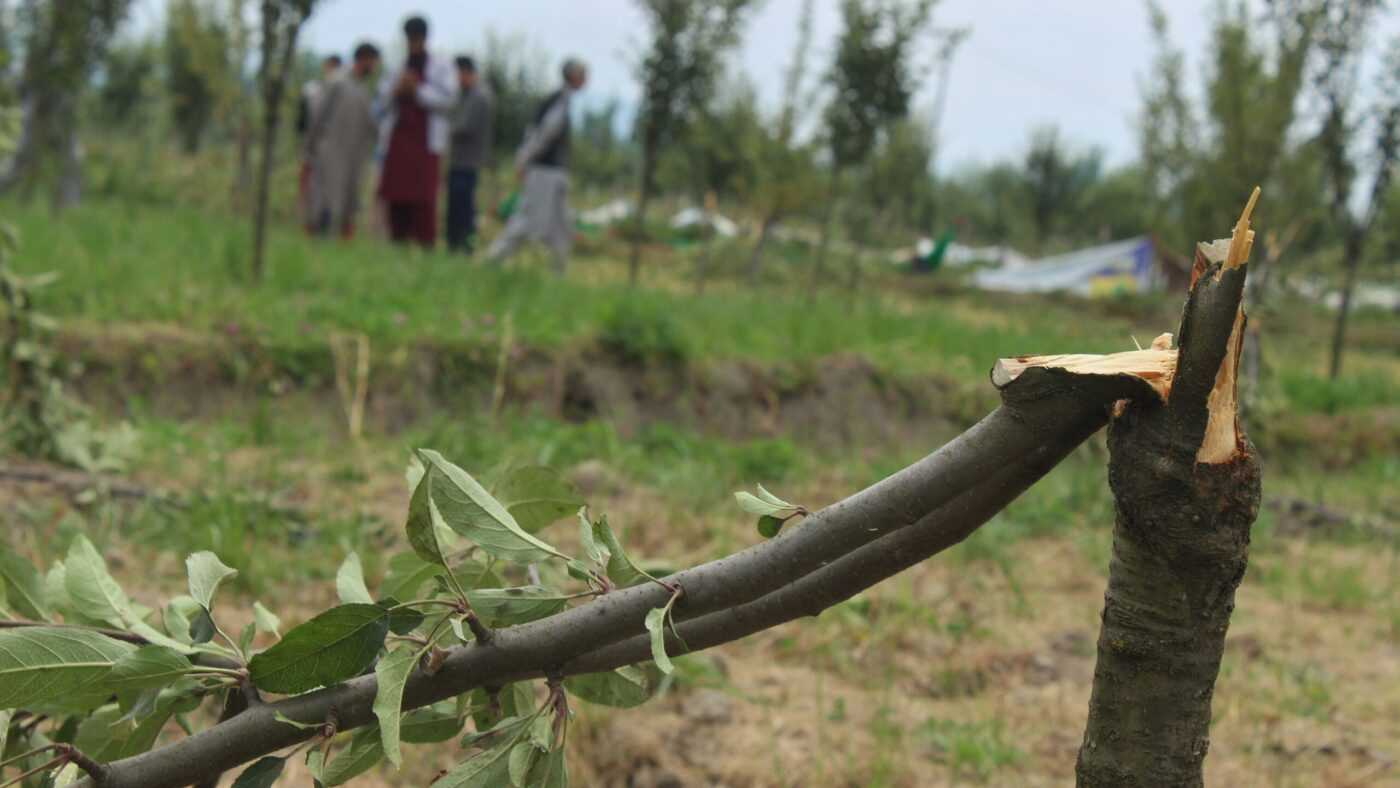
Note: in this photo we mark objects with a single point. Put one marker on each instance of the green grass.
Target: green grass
(128, 263)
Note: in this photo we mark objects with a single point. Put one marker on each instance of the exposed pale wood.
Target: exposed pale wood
(1155, 365)
(1221, 440)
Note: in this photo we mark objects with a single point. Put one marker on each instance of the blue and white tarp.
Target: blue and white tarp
(1122, 266)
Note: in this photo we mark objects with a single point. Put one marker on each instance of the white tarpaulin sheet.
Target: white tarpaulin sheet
(1122, 266)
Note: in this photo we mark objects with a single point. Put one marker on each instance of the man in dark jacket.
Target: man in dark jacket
(470, 121)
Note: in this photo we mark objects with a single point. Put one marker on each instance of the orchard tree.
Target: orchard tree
(785, 170)
(62, 44)
(873, 78)
(1344, 34)
(129, 80)
(197, 50)
(485, 622)
(677, 73)
(1193, 157)
(281, 24)
(1056, 180)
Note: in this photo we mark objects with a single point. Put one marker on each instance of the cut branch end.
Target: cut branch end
(1155, 365)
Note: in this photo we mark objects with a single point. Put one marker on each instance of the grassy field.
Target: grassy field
(971, 668)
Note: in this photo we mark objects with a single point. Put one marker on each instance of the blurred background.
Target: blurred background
(802, 231)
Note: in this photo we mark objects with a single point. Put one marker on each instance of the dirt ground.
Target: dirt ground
(961, 672)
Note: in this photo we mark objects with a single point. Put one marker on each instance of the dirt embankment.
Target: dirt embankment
(831, 402)
(837, 400)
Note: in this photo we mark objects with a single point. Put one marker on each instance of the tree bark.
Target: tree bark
(275, 72)
(634, 256)
(756, 257)
(824, 245)
(1355, 244)
(1186, 486)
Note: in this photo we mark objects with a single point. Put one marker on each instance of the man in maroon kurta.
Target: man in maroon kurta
(414, 101)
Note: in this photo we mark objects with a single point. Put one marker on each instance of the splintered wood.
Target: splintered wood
(1221, 440)
(1155, 365)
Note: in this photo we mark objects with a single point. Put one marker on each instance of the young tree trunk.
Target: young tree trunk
(1186, 485)
(823, 246)
(275, 73)
(756, 257)
(639, 219)
(1352, 252)
(243, 163)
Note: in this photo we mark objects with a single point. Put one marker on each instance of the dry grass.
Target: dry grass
(954, 673)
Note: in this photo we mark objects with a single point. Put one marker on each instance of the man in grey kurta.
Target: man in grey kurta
(541, 165)
(470, 121)
(340, 142)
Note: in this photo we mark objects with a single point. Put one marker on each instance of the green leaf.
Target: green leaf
(406, 575)
(104, 736)
(402, 620)
(775, 500)
(470, 511)
(499, 607)
(350, 581)
(178, 617)
(504, 730)
(422, 515)
(550, 771)
(537, 496)
(364, 751)
(623, 688)
(43, 664)
(332, 647)
(656, 627)
(206, 573)
(542, 731)
(267, 622)
(522, 756)
(67, 775)
(587, 543)
(754, 505)
(392, 674)
(436, 723)
(90, 588)
(148, 666)
(22, 586)
(413, 473)
(5, 716)
(621, 570)
(769, 526)
(262, 774)
(489, 769)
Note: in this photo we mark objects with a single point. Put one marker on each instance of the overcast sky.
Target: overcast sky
(1073, 63)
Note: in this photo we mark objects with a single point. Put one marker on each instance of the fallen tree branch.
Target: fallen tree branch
(839, 551)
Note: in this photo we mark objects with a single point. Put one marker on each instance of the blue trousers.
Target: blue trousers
(461, 208)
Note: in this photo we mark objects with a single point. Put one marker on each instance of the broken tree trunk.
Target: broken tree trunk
(1186, 487)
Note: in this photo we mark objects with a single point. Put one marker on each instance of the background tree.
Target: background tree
(1196, 160)
(677, 75)
(62, 44)
(785, 172)
(602, 156)
(129, 82)
(872, 77)
(196, 63)
(1343, 42)
(281, 24)
(1056, 180)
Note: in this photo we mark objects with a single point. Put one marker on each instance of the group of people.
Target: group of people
(420, 113)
